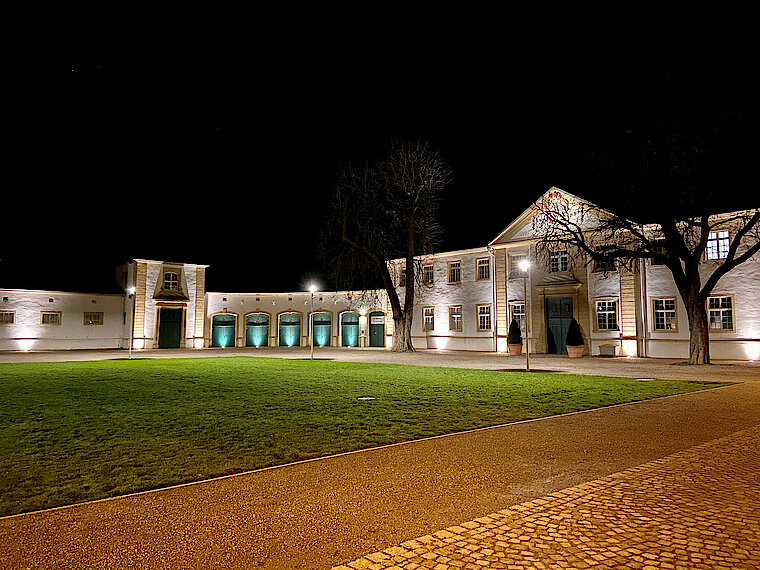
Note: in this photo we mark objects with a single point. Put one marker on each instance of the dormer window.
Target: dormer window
(171, 281)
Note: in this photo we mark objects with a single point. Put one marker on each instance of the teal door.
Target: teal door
(223, 330)
(559, 313)
(322, 329)
(169, 328)
(350, 329)
(257, 330)
(290, 329)
(377, 329)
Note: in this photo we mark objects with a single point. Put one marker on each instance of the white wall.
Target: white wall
(441, 294)
(27, 333)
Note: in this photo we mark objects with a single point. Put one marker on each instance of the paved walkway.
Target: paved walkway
(699, 508)
(334, 511)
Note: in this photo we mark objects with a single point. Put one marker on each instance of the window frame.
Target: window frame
(654, 314)
(13, 318)
(458, 269)
(598, 268)
(658, 243)
(461, 321)
(615, 300)
(490, 317)
(402, 276)
(561, 254)
(171, 282)
(92, 323)
(487, 261)
(730, 296)
(60, 318)
(523, 317)
(428, 269)
(717, 241)
(425, 319)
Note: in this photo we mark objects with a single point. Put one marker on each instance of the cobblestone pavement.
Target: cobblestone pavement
(698, 508)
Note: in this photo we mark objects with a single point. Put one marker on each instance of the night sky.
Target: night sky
(228, 161)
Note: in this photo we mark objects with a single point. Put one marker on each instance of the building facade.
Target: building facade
(465, 300)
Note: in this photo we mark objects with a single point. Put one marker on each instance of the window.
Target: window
(606, 315)
(514, 264)
(606, 264)
(50, 317)
(518, 314)
(427, 274)
(402, 277)
(428, 318)
(171, 281)
(717, 245)
(455, 271)
(93, 318)
(483, 269)
(658, 246)
(484, 317)
(558, 260)
(455, 318)
(665, 315)
(7, 317)
(721, 312)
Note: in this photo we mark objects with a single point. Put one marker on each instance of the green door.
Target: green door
(290, 329)
(350, 329)
(223, 330)
(257, 330)
(169, 328)
(377, 329)
(322, 329)
(559, 313)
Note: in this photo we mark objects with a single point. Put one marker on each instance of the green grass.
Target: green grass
(78, 431)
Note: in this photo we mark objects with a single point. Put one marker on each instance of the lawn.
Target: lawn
(77, 431)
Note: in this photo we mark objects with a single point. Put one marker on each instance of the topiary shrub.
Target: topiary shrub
(574, 334)
(514, 336)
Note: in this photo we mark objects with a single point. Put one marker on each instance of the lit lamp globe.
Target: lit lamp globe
(524, 265)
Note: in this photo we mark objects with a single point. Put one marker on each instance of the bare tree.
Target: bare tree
(591, 234)
(383, 211)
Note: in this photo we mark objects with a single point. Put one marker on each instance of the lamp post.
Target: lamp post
(312, 289)
(131, 292)
(525, 267)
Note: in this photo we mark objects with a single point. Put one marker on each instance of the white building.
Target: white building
(464, 300)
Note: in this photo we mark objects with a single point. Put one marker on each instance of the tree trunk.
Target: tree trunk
(699, 338)
(402, 333)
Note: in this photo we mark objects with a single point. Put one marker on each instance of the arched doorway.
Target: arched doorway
(377, 329)
(349, 325)
(289, 329)
(257, 329)
(223, 330)
(322, 329)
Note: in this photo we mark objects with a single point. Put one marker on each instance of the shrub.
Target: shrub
(514, 336)
(574, 334)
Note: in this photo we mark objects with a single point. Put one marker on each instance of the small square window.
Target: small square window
(717, 245)
(558, 260)
(7, 317)
(93, 318)
(50, 318)
(428, 318)
(428, 275)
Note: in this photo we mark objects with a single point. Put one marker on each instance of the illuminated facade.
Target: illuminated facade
(465, 300)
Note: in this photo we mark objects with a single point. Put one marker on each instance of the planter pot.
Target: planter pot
(575, 351)
(515, 349)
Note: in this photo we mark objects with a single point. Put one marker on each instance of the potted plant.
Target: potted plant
(574, 340)
(514, 338)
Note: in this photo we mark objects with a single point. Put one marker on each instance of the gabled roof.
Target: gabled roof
(519, 222)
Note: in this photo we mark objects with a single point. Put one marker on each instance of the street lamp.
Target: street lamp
(525, 267)
(131, 292)
(312, 289)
